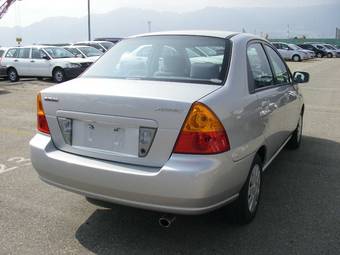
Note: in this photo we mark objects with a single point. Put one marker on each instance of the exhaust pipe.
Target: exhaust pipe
(166, 220)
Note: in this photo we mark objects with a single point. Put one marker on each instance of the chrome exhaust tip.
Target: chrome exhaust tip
(166, 221)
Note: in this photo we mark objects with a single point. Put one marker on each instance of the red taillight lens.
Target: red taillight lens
(202, 133)
(41, 118)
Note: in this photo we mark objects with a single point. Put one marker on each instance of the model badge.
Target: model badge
(168, 110)
(51, 99)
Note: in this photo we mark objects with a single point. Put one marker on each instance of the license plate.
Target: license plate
(105, 137)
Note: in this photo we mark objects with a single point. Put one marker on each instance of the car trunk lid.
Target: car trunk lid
(117, 120)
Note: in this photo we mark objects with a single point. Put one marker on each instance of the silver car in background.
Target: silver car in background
(291, 52)
(168, 132)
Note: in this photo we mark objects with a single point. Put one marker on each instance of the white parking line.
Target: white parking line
(17, 161)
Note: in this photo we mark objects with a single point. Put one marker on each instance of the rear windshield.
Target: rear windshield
(194, 59)
(1, 53)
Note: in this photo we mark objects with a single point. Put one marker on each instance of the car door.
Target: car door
(40, 67)
(23, 61)
(269, 97)
(285, 52)
(289, 102)
(11, 59)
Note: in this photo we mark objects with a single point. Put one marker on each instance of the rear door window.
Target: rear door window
(1, 53)
(24, 53)
(280, 70)
(259, 66)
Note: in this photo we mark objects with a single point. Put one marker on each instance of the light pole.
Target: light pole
(149, 26)
(89, 19)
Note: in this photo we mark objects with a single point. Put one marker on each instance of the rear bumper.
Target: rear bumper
(186, 184)
(72, 73)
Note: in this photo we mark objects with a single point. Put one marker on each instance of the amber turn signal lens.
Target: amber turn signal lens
(42, 124)
(202, 133)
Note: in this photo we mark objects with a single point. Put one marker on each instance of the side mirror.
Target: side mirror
(46, 57)
(79, 56)
(301, 77)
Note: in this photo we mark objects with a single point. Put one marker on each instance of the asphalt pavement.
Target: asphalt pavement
(299, 211)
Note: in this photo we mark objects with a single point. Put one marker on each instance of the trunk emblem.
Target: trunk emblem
(51, 99)
(91, 126)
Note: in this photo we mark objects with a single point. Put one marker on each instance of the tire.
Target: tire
(59, 75)
(295, 141)
(296, 58)
(12, 75)
(249, 198)
(319, 55)
(329, 55)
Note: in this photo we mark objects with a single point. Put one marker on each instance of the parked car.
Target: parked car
(330, 53)
(288, 53)
(103, 46)
(320, 53)
(333, 48)
(310, 53)
(172, 135)
(43, 62)
(3, 69)
(85, 52)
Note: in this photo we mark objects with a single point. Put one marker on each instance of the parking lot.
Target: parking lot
(299, 212)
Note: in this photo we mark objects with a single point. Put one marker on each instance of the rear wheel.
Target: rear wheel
(248, 201)
(12, 75)
(329, 55)
(296, 58)
(58, 75)
(295, 140)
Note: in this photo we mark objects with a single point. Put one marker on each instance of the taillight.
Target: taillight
(41, 118)
(202, 133)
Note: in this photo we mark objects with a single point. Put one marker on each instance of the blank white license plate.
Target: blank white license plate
(105, 137)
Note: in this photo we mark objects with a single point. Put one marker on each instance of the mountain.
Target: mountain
(312, 21)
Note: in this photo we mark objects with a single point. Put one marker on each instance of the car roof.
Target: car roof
(77, 46)
(210, 33)
(92, 42)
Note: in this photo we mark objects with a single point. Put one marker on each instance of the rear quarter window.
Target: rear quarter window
(12, 53)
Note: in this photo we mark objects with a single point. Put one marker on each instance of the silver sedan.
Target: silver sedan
(176, 122)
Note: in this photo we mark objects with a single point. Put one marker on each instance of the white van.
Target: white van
(43, 61)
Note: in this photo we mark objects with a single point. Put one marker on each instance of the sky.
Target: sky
(26, 12)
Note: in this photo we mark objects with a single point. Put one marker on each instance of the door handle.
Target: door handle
(32, 61)
(15, 60)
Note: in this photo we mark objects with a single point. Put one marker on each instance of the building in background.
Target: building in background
(337, 33)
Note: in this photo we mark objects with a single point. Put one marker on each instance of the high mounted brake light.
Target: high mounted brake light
(202, 133)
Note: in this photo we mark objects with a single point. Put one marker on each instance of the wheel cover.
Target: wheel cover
(296, 58)
(59, 76)
(254, 188)
(12, 75)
